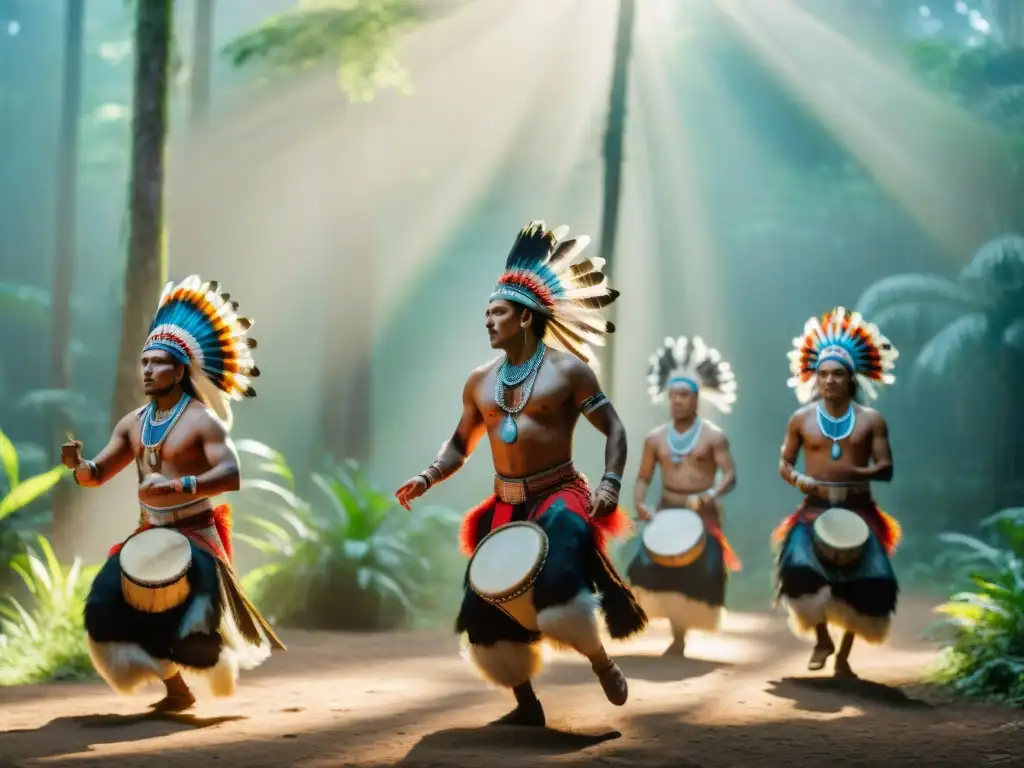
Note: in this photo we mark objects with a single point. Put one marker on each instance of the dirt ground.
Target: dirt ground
(410, 700)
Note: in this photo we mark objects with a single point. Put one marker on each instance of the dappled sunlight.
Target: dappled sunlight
(943, 166)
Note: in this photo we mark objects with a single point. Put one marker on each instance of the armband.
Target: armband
(612, 478)
(594, 402)
(93, 470)
(432, 475)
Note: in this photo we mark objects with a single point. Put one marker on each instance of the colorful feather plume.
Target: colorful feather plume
(847, 338)
(200, 327)
(545, 272)
(690, 362)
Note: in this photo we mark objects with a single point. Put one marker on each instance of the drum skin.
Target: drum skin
(681, 524)
(515, 599)
(840, 537)
(161, 584)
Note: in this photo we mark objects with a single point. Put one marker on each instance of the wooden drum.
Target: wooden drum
(154, 568)
(505, 567)
(840, 536)
(675, 538)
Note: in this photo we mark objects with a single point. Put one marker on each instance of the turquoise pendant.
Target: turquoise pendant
(836, 451)
(509, 430)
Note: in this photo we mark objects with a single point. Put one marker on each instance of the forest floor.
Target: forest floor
(408, 699)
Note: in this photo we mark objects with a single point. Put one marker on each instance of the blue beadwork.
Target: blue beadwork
(512, 376)
(836, 429)
(154, 431)
(681, 445)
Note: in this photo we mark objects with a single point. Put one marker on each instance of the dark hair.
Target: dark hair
(188, 386)
(538, 321)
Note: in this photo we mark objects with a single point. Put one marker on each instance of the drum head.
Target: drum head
(673, 531)
(506, 557)
(155, 556)
(841, 528)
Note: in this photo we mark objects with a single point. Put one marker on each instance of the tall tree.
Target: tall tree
(202, 60)
(614, 140)
(64, 241)
(146, 269)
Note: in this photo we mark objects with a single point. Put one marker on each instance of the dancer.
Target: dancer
(846, 448)
(543, 316)
(691, 452)
(197, 355)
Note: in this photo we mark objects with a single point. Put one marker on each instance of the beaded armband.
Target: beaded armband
(432, 475)
(93, 470)
(188, 484)
(613, 479)
(593, 402)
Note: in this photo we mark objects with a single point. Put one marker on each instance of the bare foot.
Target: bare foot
(819, 656)
(678, 648)
(531, 714)
(616, 689)
(178, 701)
(843, 669)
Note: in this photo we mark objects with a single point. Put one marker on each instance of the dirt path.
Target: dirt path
(409, 700)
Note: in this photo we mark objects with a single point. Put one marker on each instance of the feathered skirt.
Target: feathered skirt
(860, 599)
(577, 563)
(216, 631)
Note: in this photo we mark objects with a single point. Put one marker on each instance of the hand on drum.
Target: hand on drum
(702, 505)
(643, 513)
(155, 485)
(412, 489)
(604, 500)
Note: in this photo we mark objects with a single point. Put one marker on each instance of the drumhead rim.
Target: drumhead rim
(818, 533)
(686, 513)
(531, 578)
(164, 582)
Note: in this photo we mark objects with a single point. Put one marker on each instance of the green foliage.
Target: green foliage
(352, 559)
(982, 310)
(986, 657)
(47, 640)
(360, 35)
(19, 493)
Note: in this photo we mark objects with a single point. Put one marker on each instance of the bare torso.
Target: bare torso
(180, 455)
(546, 425)
(817, 449)
(693, 475)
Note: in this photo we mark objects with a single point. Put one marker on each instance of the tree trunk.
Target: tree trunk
(145, 272)
(64, 253)
(202, 60)
(1009, 16)
(614, 140)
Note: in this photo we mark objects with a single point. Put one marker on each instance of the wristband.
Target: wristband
(612, 478)
(189, 484)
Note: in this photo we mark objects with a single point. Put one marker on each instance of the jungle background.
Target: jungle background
(354, 172)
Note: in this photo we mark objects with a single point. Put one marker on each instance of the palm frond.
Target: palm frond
(897, 290)
(999, 264)
(951, 344)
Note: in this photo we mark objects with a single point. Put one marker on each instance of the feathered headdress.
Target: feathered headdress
(542, 273)
(200, 327)
(689, 362)
(844, 337)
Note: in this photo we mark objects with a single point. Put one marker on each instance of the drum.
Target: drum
(505, 567)
(675, 538)
(840, 537)
(154, 564)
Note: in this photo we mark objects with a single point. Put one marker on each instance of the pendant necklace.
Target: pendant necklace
(509, 376)
(681, 444)
(836, 429)
(155, 430)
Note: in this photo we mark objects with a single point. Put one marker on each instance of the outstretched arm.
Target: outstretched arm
(881, 453)
(112, 459)
(454, 451)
